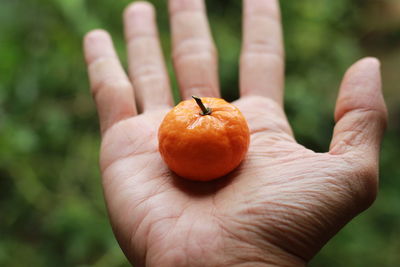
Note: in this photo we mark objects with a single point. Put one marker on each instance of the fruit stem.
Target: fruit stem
(204, 110)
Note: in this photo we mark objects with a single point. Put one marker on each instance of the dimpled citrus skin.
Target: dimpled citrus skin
(203, 147)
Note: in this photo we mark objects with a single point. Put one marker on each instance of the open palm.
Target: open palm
(282, 204)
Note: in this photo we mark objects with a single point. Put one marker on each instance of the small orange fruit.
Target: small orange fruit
(203, 139)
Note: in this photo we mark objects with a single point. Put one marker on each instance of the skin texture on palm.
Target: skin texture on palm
(282, 204)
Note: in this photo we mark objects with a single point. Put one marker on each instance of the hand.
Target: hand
(282, 204)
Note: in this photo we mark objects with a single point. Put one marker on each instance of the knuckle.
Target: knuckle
(264, 46)
(382, 117)
(260, 51)
(366, 178)
(361, 116)
(377, 115)
(145, 70)
(110, 85)
(359, 129)
(195, 47)
(148, 72)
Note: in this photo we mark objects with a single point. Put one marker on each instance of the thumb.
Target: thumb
(361, 114)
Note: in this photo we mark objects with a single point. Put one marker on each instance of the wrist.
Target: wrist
(234, 253)
(247, 254)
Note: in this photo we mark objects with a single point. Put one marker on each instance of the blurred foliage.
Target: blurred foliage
(51, 206)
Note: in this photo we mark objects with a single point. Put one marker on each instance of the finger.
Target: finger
(262, 58)
(194, 52)
(147, 68)
(110, 86)
(360, 111)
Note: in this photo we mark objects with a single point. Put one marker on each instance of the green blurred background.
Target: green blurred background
(51, 205)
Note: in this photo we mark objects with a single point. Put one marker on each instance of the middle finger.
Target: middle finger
(194, 52)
